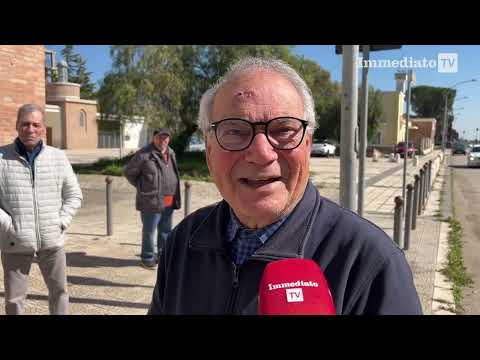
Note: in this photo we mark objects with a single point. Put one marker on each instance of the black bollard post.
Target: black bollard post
(416, 190)
(420, 194)
(109, 180)
(188, 197)
(397, 221)
(408, 217)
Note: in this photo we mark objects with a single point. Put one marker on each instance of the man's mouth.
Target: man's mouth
(257, 182)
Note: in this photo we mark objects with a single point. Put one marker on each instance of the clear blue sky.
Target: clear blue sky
(99, 62)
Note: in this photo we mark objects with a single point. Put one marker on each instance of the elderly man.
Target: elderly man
(258, 122)
(154, 172)
(39, 195)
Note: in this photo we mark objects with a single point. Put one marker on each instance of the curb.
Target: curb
(442, 300)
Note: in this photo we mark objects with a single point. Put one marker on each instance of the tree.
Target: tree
(375, 111)
(429, 101)
(163, 84)
(77, 72)
(330, 117)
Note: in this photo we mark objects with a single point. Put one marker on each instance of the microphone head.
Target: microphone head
(294, 287)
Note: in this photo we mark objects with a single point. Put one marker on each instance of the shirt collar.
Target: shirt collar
(263, 234)
(22, 150)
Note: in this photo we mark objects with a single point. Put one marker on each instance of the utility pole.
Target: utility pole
(348, 157)
(363, 129)
(349, 133)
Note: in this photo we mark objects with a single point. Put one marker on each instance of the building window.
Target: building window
(83, 120)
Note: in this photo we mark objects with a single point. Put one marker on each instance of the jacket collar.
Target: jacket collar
(290, 241)
(22, 150)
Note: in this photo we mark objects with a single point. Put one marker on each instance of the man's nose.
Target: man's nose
(260, 150)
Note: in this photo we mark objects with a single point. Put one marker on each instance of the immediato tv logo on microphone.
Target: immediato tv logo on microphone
(292, 290)
(294, 295)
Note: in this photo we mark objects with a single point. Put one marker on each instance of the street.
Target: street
(466, 200)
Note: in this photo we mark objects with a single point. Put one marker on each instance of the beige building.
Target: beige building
(71, 121)
(424, 134)
(393, 121)
(392, 130)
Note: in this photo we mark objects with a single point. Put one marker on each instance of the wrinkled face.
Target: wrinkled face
(30, 129)
(260, 183)
(161, 142)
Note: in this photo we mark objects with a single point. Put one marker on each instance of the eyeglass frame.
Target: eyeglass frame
(253, 125)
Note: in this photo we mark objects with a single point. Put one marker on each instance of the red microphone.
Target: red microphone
(294, 287)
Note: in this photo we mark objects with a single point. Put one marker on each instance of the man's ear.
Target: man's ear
(309, 139)
(208, 150)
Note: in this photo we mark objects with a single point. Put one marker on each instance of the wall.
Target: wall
(22, 80)
(393, 105)
(136, 135)
(77, 137)
(53, 119)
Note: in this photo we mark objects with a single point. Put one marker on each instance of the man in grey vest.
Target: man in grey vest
(154, 172)
(39, 195)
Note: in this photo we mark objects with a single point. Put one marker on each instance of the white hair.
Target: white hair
(27, 109)
(257, 64)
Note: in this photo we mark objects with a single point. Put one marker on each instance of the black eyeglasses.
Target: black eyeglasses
(283, 133)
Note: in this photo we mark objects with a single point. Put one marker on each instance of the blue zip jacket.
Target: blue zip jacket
(366, 272)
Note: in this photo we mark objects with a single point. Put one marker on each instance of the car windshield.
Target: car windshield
(475, 149)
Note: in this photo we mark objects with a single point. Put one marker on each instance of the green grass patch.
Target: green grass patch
(192, 166)
(455, 269)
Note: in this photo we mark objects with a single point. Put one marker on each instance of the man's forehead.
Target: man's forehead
(34, 117)
(262, 89)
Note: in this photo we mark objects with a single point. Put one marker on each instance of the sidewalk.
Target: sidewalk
(104, 275)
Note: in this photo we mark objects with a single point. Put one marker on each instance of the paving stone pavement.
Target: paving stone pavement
(104, 275)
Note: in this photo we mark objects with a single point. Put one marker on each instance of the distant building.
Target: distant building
(136, 133)
(73, 123)
(393, 122)
(423, 136)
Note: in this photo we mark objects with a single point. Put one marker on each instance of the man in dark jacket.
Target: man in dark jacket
(154, 172)
(258, 123)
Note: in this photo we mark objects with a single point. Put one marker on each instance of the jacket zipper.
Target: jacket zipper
(235, 286)
(35, 207)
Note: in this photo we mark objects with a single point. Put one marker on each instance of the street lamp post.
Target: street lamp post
(410, 81)
(444, 127)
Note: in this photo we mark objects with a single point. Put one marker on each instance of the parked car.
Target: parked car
(401, 149)
(323, 149)
(473, 158)
(459, 148)
(196, 145)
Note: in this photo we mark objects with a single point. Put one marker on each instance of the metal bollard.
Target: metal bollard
(420, 193)
(430, 166)
(425, 184)
(408, 217)
(109, 180)
(428, 181)
(416, 190)
(188, 197)
(397, 222)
